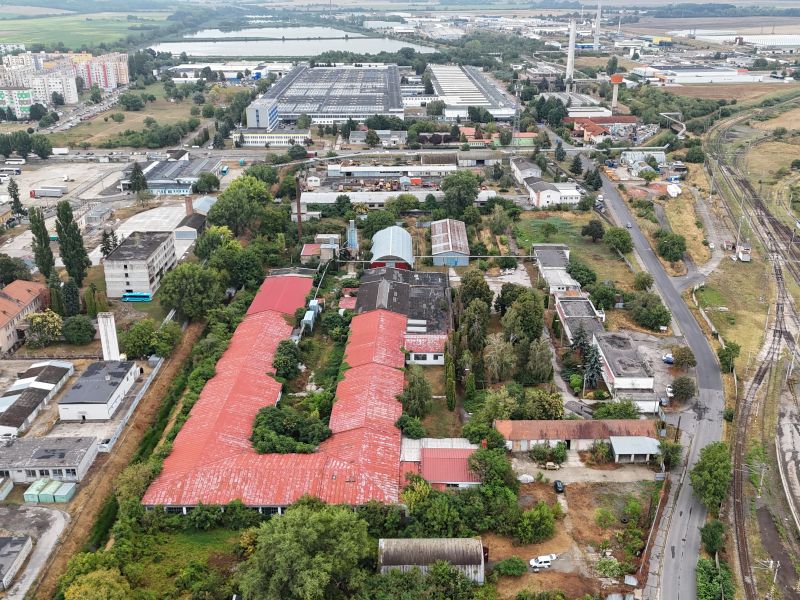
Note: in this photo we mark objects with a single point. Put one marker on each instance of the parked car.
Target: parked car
(628, 225)
(558, 486)
(670, 392)
(667, 358)
(543, 562)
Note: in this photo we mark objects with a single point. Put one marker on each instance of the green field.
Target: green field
(76, 30)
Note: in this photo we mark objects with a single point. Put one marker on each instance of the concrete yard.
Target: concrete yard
(45, 526)
(573, 471)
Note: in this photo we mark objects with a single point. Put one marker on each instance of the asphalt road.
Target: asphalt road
(702, 423)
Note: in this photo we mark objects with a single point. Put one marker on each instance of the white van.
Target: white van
(543, 562)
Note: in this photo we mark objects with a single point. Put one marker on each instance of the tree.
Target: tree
(711, 475)
(509, 292)
(612, 65)
(450, 384)
(286, 360)
(712, 534)
(535, 525)
(542, 405)
(714, 583)
(683, 357)
(499, 357)
(594, 229)
(619, 239)
(72, 299)
(95, 95)
(649, 176)
(539, 366)
(695, 154)
(460, 191)
(580, 341)
(473, 323)
(372, 138)
(206, 182)
(303, 121)
(560, 153)
(684, 388)
(44, 328)
(525, 319)
(493, 468)
(311, 553)
(42, 254)
(36, 111)
(648, 311)
(234, 209)
(12, 269)
(604, 296)
(137, 340)
(131, 102)
(165, 338)
(263, 172)
(416, 397)
(592, 367)
(191, 289)
(70, 243)
(642, 281)
(213, 238)
(13, 193)
(78, 330)
(90, 300)
(548, 230)
(581, 272)
(377, 220)
(56, 299)
(728, 355)
(622, 409)
(575, 167)
(670, 454)
(474, 286)
(108, 242)
(671, 247)
(138, 182)
(297, 152)
(102, 584)
(499, 220)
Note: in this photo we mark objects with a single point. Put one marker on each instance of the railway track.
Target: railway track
(777, 239)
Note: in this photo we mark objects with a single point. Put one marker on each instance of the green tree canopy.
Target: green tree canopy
(78, 330)
(460, 191)
(619, 239)
(43, 255)
(711, 475)
(70, 243)
(191, 289)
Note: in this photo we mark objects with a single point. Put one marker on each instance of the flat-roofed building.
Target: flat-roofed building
(173, 177)
(262, 114)
(14, 551)
(138, 264)
(33, 389)
(462, 87)
(277, 138)
(63, 458)
(99, 391)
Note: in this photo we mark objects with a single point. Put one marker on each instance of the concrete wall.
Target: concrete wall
(451, 259)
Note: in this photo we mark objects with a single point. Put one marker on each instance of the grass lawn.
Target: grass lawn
(569, 224)
(683, 219)
(745, 93)
(174, 551)
(97, 130)
(441, 422)
(77, 30)
(745, 290)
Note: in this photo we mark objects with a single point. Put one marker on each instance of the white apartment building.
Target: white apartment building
(544, 194)
(139, 263)
(278, 138)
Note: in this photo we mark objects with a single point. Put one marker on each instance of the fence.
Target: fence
(642, 574)
(109, 444)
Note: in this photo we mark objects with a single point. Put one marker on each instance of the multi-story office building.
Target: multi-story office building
(138, 264)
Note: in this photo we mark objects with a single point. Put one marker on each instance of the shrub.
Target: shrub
(286, 430)
(513, 566)
(410, 426)
(535, 525)
(78, 330)
(609, 567)
(604, 518)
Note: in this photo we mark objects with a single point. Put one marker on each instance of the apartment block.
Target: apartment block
(17, 99)
(139, 263)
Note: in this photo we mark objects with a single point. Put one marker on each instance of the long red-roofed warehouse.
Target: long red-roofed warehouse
(212, 460)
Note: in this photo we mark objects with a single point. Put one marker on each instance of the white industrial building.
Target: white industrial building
(689, 74)
(460, 87)
(277, 138)
(262, 114)
(544, 194)
(62, 458)
(138, 264)
(522, 168)
(24, 399)
(99, 391)
(392, 247)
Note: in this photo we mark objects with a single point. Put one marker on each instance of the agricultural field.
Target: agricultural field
(98, 130)
(741, 91)
(569, 224)
(788, 119)
(76, 30)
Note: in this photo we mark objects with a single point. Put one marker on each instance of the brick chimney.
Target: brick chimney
(188, 204)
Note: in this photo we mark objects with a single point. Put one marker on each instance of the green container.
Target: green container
(32, 493)
(65, 492)
(47, 495)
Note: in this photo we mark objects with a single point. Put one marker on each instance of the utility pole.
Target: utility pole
(298, 208)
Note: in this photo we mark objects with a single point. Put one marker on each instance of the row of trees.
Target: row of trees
(23, 143)
(70, 241)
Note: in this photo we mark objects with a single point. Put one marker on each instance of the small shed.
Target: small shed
(465, 554)
(633, 448)
(65, 492)
(310, 253)
(32, 493)
(48, 493)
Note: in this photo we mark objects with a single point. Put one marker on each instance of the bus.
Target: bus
(15, 161)
(10, 171)
(137, 297)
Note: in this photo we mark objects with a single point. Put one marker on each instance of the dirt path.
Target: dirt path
(85, 507)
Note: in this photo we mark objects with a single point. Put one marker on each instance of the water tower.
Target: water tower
(616, 79)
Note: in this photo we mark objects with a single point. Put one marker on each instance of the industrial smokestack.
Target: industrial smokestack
(597, 29)
(571, 54)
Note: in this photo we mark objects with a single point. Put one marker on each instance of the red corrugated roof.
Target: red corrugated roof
(447, 465)
(425, 343)
(212, 460)
(283, 293)
(348, 302)
(378, 338)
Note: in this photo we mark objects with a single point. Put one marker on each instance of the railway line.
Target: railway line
(777, 239)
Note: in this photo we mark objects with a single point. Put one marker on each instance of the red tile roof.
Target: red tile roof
(348, 302)
(283, 293)
(16, 297)
(212, 460)
(447, 465)
(311, 250)
(425, 343)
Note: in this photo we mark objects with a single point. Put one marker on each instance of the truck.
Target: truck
(48, 192)
(60, 151)
(68, 178)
